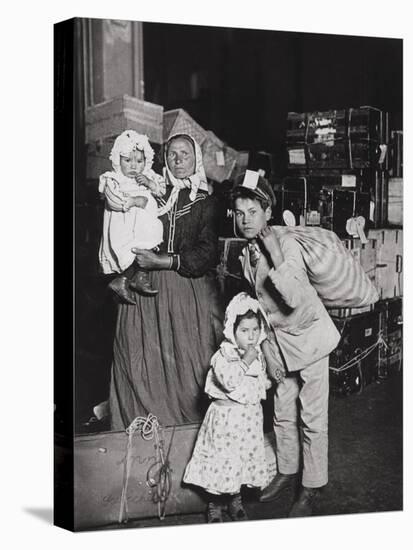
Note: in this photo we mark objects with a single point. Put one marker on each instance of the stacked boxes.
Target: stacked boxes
(339, 139)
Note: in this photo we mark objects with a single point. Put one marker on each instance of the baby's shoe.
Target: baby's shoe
(214, 512)
(140, 282)
(236, 509)
(119, 286)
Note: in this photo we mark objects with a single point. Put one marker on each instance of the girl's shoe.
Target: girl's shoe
(236, 509)
(214, 513)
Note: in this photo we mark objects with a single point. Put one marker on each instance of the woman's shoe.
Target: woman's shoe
(236, 509)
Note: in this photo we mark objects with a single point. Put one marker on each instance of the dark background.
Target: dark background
(241, 83)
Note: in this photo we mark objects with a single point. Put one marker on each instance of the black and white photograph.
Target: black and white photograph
(238, 274)
(209, 340)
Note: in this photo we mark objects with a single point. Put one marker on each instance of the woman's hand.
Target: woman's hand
(147, 259)
(272, 245)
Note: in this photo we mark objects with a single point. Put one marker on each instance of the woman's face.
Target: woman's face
(181, 158)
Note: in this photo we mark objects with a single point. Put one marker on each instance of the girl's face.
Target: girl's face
(132, 165)
(247, 333)
(181, 158)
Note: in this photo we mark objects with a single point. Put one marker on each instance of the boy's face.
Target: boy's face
(247, 333)
(132, 165)
(250, 217)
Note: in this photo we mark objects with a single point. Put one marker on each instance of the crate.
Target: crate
(112, 117)
(354, 363)
(178, 121)
(389, 270)
(219, 160)
(395, 202)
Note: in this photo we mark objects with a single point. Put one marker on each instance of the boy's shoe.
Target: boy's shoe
(236, 509)
(304, 505)
(140, 282)
(120, 286)
(214, 513)
(279, 484)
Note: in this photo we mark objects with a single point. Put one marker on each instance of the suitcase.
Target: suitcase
(389, 272)
(314, 201)
(337, 139)
(354, 363)
(112, 117)
(391, 355)
(103, 484)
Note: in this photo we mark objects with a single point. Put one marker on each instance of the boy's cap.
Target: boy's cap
(254, 184)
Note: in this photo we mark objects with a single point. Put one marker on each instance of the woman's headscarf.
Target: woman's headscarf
(198, 180)
(240, 304)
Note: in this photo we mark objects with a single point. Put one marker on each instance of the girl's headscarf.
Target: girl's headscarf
(198, 180)
(240, 304)
(129, 141)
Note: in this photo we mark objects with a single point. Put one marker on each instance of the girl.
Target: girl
(131, 213)
(229, 451)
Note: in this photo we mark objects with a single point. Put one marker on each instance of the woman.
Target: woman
(163, 344)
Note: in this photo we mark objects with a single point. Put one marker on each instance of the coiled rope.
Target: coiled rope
(158, 476)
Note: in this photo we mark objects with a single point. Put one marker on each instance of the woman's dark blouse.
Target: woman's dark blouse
(191, 230)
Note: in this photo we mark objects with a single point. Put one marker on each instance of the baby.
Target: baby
(131, 214)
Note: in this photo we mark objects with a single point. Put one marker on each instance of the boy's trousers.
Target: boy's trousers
(301, 423)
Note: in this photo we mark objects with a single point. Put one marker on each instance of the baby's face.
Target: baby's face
(132, 165)
(247, 333)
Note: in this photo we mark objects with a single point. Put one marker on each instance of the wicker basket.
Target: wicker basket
(178, 121)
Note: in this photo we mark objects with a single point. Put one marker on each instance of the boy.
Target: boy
(303, 336)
